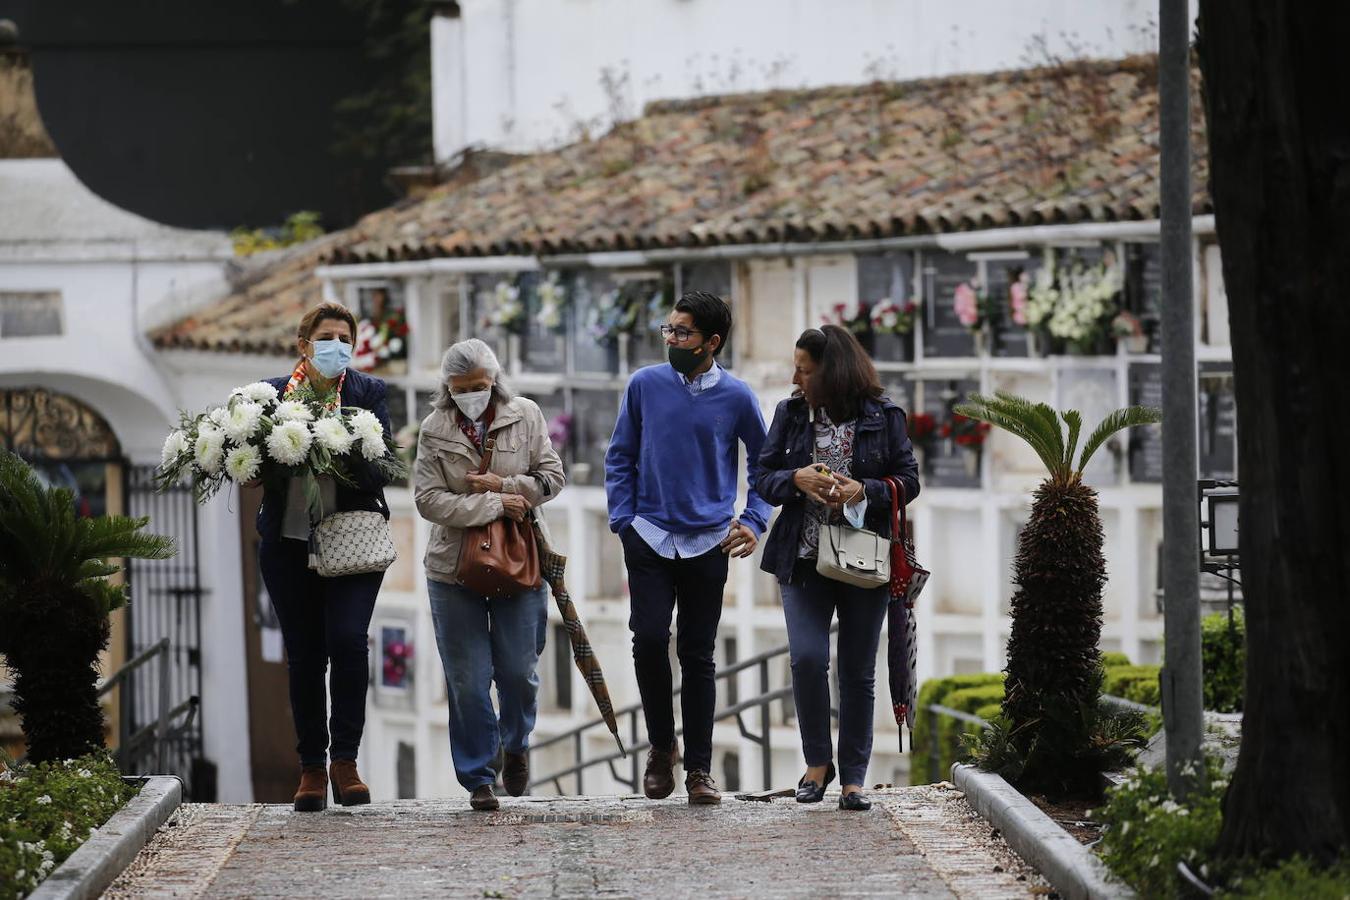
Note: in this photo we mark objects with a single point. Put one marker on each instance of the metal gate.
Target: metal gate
(166, 602)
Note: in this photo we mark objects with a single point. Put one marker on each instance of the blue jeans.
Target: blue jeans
(483, 642)
(809, 604)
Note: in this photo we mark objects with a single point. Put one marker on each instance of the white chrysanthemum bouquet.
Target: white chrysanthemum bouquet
(258, 435)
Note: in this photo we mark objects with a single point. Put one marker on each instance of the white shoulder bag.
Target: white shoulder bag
(854, 556)
(357, 542)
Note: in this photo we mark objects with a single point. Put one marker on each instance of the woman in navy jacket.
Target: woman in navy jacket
(837, 412)
(325, 622)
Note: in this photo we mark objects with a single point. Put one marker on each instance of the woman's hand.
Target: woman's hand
(813, 482)
(740, 541)
(846, 491)
(486, 483)
(514, 506)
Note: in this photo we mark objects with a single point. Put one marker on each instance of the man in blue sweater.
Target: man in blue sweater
(671, 475)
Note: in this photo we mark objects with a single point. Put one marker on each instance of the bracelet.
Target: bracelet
(861, 490)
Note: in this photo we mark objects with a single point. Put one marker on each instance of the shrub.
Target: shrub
(1137, 683)
(1148, 833)
(935, 690)
(1223, 651)
(1295, 879)
(966, 700)
(1115, 658)
(48, 810)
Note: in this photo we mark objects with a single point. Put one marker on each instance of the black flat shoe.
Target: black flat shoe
(810, 792)
(855, 802)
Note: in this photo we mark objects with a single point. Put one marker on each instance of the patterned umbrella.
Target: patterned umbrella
(902, 631)
(551, 566)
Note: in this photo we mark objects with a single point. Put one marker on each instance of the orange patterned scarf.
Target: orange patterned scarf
(299, 377)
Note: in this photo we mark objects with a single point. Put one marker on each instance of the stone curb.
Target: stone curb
(110, 849)
(1072, 868)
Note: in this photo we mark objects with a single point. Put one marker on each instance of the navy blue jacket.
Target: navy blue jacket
(360, 390)
(881, 447)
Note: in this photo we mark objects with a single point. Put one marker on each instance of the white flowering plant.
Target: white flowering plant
(1074, 302)
(257, 435)
(552, 303)
(503, 308)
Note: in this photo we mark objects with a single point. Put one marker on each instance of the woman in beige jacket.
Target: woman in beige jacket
(483, 641)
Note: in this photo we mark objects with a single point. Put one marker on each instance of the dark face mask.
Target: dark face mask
(686, 361)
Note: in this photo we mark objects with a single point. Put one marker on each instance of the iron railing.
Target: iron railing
(632, 715)
(155, 740)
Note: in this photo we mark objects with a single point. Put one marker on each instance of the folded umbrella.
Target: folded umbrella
(551, 567)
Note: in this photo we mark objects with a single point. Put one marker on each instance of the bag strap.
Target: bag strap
(899, 516)
(488, 446)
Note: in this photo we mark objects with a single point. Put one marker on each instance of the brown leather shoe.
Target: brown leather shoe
(702, 789)
(516, 773)
(659, 780)
(348, 788)
(312, 795)
(482, 799)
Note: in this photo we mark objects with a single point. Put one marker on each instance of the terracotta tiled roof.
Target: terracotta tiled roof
(1071, 143)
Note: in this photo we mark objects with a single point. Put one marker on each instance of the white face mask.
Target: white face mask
(473, 404)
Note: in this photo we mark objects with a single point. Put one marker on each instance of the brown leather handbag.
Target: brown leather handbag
(499, 559)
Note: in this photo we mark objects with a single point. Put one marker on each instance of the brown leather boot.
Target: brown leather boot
(483, 800)
(659, 780)
(348, 788)
(702, 789)
(312, 795)
(516, 773)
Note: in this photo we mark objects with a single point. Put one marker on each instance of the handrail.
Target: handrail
(140, 659)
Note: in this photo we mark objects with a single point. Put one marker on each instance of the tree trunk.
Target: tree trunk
(1276, 83)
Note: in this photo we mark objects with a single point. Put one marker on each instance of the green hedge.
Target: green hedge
(47, 811)
(1137, 683)
(980, 694)
(937, 690)
(1223, 652)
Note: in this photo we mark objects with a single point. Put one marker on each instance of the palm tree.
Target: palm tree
(54, 601)
(1054, 736)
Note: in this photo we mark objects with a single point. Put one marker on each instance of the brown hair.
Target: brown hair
(845, 376)
(310, 320)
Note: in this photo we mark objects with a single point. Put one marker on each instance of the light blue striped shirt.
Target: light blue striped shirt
(690, 544)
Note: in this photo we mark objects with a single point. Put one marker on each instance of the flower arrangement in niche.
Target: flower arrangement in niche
(851, 315)
(889, 317)
(398, 654)
(922, 428)
(380, 341)
(503, 310)
(552, 303)
(1075, 302)
(1018, 299)
(971, 304)
(256, 434)
(560, 431)
(964, 432)
(613, 313)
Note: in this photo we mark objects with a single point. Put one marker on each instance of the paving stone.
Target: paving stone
(917, 842)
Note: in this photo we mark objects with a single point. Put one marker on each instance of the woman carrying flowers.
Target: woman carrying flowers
(324, 621)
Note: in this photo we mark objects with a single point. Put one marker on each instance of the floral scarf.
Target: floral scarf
(301, 377)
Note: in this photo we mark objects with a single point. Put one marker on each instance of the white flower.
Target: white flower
(365, 424)
(175, 445)
(332, 435)
(242, 421)
(218, 415)
(293, 411)
(44, 800)
(258, 392)
(289, 443)
(209, 450)
(242, 463)
(372, 446)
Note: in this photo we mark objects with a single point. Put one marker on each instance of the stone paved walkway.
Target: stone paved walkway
(916, 842)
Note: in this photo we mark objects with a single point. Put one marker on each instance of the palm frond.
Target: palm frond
(1017, 416)
(1045, 418)
(1075, 421)
(105, 595)
(1128, 417)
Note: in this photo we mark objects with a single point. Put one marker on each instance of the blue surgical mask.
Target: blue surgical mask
(331, 357)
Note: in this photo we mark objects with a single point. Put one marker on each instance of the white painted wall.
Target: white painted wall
(519, 75)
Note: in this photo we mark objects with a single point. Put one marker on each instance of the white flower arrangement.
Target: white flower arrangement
(1073, 303)
(552, 303)
(505, 312)
(257, 435)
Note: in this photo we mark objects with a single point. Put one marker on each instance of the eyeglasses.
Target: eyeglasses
(681, 333)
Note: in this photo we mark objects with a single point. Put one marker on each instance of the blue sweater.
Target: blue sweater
(673, 458)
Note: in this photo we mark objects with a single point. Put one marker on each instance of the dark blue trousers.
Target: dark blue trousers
(324, 621)
(810, 603)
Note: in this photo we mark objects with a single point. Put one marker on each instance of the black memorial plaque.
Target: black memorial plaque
(944, 335)
(882, 278)
(1217, 408)
(1143, 289)
(1145, 389)
(946, 463)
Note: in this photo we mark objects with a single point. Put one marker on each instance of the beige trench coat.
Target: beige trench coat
(524, 458)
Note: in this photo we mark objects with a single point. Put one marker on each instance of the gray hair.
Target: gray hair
(465, 357)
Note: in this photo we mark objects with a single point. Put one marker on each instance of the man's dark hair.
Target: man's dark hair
(844, 375)
(710, 313)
